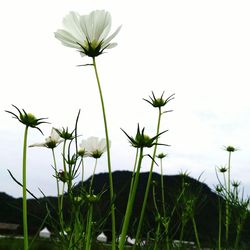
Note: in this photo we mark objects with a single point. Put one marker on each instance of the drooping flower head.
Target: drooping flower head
(94, 147)
(87, 33)
(50, 142)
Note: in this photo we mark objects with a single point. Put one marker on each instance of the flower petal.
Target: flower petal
(72, 24)
(87, 33)
(86, 27)
(101, 25)
(102, 145)
(38, 145)
(106, 41)
(67, 39)
(93, 143)
(54, 135)
(111, 45)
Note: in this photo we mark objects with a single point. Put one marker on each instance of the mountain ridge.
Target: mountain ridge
(206, 214)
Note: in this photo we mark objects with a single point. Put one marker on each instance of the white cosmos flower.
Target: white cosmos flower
(87, 33)
(94, 147)
(50, 142)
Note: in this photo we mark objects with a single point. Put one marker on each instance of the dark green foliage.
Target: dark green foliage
(17, 244)
(205, 202)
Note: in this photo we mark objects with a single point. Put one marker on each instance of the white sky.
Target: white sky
(198, 50)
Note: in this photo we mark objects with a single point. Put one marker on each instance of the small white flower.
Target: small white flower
(50, 142)
(87, 33)
(94, 147)
(82, 152)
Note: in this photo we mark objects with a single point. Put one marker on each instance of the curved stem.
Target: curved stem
(148, 183)
(25, 223)
(108, 156)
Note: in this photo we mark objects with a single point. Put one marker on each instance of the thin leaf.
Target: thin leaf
(20, 184)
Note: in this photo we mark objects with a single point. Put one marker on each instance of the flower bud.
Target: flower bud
(63, 176)
(219, 189)
(159, 102)
(92, 198)
(235, 184)
(223, 169)
(141, 140)
(27, 119)
(161, 155)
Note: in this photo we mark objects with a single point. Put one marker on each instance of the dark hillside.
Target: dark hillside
(206, 205)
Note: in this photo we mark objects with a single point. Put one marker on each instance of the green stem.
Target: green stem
(183, 224)
(227, 201)
(167, 235)
(236, 193)
(133, 174)
(61, 208)
(229, 172)
(162, 192)
(64, 161)
(111, 188)
(168, 242)
(82, 170)
(65, 172)
(56, 172)
(225, 182)
(25, 223)
(158, 219)
(156, 245)
(183, 212)
(219, 233)
(58, 190)
(88, 229)
(240, 223)
(196, 233)
(130, 204)
(148, 183)
(92, 178)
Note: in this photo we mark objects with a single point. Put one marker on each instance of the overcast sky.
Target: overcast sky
(198, 50)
